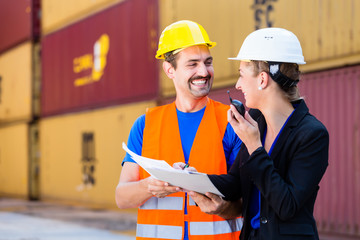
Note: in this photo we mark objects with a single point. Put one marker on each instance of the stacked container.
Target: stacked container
(18, 95)
(333, 96)
(99, 74)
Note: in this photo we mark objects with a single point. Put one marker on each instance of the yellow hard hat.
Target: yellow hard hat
(182, 34)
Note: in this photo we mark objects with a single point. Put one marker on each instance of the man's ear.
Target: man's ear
(168, 69)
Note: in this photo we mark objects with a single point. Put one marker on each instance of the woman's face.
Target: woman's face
(247, 83)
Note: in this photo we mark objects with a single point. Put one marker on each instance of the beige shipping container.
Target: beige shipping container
(81, 153)
(14, 160)
(219, 18)
(58, 14)
(16, 84)
(329, 31)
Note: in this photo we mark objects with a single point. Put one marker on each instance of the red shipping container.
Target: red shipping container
(103, 60)
(19, 22)
(333, 96)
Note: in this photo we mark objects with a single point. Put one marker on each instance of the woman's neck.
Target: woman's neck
(275, 115)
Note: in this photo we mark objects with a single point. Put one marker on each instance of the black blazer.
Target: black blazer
(288, 180)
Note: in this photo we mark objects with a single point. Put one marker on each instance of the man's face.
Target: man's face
(194, 74)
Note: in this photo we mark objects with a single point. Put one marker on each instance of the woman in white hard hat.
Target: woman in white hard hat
(284, 153)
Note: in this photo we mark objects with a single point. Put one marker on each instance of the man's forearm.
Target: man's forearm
(131, 194)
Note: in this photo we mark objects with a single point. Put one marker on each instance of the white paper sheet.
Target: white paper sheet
(160, 169)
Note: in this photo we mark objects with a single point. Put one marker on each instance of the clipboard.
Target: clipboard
(161, 170)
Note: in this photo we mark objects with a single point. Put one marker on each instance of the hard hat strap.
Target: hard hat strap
(283, 80)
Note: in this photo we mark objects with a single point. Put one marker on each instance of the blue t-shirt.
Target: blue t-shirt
(188, 125)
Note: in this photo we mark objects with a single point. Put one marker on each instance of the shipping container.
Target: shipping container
(59, 14)
(221, 20)
(100, 53)
(19, 22)
(34, 161)
(106, 59)
(329, 31)
(14, 160)
(81, 153)
(333, 97)
(16, 84)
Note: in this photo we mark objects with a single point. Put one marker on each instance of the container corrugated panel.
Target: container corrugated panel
(14, 157)
(17, 16)
(103, 60)
(81, 153)
(221, 20)
(329, 31)
(17, 22)
(15, 84)
(59, 14)
(333, 97)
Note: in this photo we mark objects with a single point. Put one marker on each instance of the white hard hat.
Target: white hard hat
(271, 44)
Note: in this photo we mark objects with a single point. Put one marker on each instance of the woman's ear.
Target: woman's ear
(263, 80)
(168, 69)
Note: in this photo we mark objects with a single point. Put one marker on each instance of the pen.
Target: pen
(186, 166)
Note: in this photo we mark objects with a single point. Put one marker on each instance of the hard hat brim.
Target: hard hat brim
(208, 44)
(248, 60)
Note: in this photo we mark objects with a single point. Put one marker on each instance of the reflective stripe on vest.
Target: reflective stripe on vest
(218, 227)
(158, 231)
(191, 202)
(169, 203)
(196, 228)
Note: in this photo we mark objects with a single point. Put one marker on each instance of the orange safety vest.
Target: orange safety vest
(163, 218)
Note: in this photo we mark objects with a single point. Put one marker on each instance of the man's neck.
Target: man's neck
(190, 106)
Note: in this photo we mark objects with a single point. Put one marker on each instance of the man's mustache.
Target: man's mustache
(200, 77)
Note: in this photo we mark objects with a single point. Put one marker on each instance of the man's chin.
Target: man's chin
(200, 94)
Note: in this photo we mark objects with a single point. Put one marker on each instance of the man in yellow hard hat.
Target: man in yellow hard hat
(192, 130)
